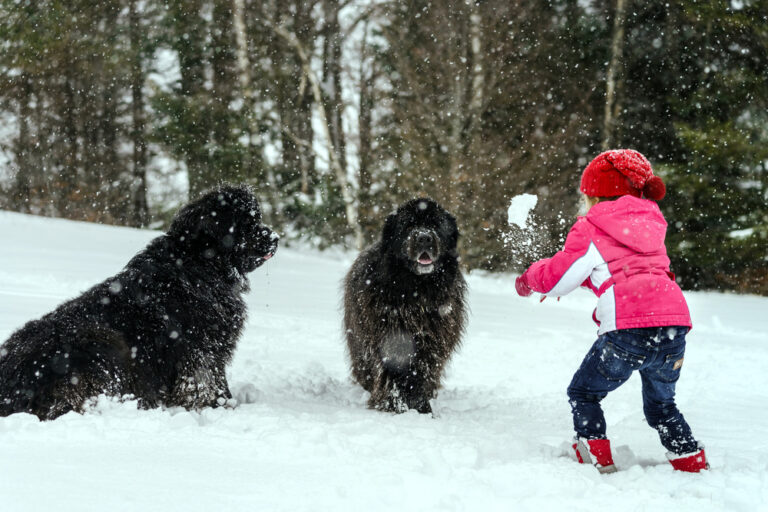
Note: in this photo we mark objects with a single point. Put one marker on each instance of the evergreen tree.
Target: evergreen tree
(697, 107)
(64, 69)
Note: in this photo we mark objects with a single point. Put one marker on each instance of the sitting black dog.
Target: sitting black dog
(404, 307)
(162, 330)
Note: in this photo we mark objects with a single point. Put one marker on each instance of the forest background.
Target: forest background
(117, 111)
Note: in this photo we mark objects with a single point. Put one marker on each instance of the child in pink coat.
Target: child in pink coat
(617, 251)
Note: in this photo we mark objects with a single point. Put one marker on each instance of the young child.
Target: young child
(617, 251)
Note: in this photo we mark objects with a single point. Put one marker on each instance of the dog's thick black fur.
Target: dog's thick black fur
(162, 330)
(404, 307)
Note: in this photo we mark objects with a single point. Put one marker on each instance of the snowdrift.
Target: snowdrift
(302, 439)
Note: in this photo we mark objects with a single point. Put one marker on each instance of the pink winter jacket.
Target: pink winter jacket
(617, 250)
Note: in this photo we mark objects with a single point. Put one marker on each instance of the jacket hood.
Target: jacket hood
(631, 221)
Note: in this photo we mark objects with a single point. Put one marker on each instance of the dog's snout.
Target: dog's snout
(423, 238)
(265, 234)
(270, 239)
(269, 234)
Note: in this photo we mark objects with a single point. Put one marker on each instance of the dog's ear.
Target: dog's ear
(388, 233)
(210, 221)
(450, 231)
(195, 229)
(200, 225)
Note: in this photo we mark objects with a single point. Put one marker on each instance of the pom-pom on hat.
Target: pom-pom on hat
(620, 172)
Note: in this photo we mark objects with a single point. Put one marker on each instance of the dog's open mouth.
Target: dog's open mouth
(426, 263)
(425, 259)
(260, 260)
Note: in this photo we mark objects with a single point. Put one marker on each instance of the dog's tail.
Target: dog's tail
(51, 382)
(48, 394)
(26, 386)
(17, 388)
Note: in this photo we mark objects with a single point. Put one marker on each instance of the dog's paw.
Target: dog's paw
(226, 403)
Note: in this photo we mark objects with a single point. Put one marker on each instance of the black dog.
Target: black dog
(162, 330)
(404, 307)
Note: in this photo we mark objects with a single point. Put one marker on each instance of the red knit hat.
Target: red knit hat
(620, 172)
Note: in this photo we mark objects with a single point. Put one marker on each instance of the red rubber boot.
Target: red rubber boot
(596, 452)
(690, 462)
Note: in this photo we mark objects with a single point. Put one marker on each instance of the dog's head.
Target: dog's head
(422, 235)
(225, 224)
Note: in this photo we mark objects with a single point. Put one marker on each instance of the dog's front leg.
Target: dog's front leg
(198, 386)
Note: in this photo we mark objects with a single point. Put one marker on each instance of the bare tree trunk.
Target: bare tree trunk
(244, 68)
(112, 207)
(187, 22)
(301, 117)
(332, 77)
(224, 85)
(456, 143)
(612, 103)
(139, 209)
(364, 127)
(348, 196)
(243, 64)
(293, 100)
(467, 104)
(280, 61)
(23, 178)
(67, 181)
(478, 72)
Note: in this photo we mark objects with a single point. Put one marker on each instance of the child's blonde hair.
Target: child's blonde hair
(591, 201)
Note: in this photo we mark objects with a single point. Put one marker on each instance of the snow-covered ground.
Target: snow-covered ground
(302, 439)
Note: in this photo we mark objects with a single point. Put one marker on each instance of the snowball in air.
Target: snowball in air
(519, 208)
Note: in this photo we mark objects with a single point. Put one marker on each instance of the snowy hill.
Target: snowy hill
(302, 439)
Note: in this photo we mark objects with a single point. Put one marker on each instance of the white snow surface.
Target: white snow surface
(302, 439)
(520, 208)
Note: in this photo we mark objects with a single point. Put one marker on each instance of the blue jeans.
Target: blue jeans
(655, 352)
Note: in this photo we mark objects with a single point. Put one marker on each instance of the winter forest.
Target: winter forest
(336, 111)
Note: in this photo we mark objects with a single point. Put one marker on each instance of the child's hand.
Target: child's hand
(521, 286)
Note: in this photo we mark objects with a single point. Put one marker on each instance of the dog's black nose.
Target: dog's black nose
(423, 238)
(265, 231)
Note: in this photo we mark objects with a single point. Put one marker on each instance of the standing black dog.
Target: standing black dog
(404, 307)
(162, 330)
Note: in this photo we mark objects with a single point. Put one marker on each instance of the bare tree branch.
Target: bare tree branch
(348, 195)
